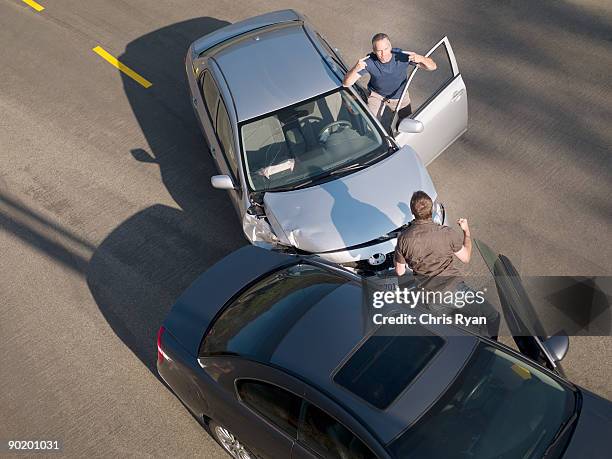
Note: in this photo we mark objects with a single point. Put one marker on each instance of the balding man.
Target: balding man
(388, 69)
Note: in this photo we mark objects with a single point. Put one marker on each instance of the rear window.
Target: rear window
(385, 365)
(256, 322)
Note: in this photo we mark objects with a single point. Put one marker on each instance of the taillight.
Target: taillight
(160, 353)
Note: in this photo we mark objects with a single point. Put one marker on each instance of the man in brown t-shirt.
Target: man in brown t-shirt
(429, 249)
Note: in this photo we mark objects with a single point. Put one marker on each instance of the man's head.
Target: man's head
(421, 205)
(381, 47)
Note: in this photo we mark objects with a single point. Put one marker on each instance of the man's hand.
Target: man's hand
(465, 254)
(353, 74)
(463, 223)
(414, 57)
(361, 64)
(423, 62)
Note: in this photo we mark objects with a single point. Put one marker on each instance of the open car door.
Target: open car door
(520, 314)
(438, 101)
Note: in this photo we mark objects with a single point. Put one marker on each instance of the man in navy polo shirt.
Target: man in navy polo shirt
(388, 69)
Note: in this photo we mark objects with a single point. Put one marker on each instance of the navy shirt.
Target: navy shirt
(387, 79)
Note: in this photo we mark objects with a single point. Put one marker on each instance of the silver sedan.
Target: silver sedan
(307, 167)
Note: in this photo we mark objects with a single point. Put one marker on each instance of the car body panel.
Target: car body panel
(360, 253)
(199, 304)
(256, 70)
(353, 209)
(317, 362)
(591, 437)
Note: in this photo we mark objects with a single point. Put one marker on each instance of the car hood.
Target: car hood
(591, 438)
(351, 210)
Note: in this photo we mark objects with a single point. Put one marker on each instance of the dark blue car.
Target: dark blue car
(276, 355)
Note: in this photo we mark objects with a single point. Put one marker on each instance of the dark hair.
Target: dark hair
(378, 37)
(421, 205)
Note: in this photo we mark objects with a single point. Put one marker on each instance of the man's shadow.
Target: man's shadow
(350, 215)
(140, 269)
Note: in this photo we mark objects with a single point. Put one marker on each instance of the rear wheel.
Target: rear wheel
(229, 442)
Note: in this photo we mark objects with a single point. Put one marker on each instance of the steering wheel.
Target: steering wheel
(305, 120)
(475, 392)
(328, 129)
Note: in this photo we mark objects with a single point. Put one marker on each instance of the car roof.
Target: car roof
(319, 342)
(273, 68)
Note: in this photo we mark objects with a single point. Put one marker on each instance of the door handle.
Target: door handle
(457, 95)
(195, 102)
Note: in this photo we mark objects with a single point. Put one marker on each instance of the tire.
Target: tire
(229, 442)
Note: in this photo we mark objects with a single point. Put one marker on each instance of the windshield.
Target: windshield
(297, 144)
(499, 407)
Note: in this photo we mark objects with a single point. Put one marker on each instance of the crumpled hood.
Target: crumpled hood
(353, 209)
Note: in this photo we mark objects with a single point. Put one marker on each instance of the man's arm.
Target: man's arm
(465, 254)
(425, 63)
(399, 259)
(353, 74)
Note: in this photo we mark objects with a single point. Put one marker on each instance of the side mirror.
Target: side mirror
(557, 346)
(410, 126)
(222, 182)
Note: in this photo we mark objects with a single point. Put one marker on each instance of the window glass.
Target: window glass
(277, 405)
(384, 365)
(211, 97)
(499, 406)
(326, 436)
(308, 141)
(224, 133)
(258, 320)
(426, 84)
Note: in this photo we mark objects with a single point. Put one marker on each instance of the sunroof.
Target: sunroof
(384, 366)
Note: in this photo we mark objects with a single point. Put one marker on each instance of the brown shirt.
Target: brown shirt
(428, 248)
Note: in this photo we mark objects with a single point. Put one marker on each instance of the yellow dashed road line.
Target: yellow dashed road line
(124, 68)
(34, 5)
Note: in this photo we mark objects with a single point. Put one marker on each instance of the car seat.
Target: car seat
(265, 145)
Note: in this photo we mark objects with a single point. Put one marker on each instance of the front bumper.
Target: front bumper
(358, 258)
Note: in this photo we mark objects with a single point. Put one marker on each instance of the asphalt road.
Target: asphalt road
(107, 214)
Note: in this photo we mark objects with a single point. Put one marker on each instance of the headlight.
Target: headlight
(438, 214)
(258, 231)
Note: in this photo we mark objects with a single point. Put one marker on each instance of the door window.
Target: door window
(211, 97)
(226, 138)
(280, 407)
(328, 438)
(425, 85)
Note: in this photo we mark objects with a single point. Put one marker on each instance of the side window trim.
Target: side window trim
(260, 414)
(233, 170)
(305, 404)
(214, 120)
(332, 53)
(213, 117)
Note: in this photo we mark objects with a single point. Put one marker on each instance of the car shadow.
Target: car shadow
(141, 268)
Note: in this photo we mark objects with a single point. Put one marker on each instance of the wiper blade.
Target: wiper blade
(560, 434)
(350, 167)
